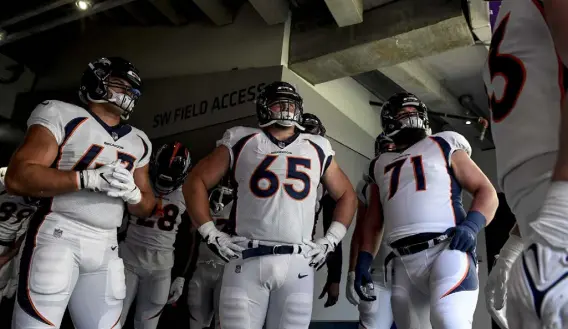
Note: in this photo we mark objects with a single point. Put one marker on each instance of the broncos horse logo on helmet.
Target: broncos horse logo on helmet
(383, 144)
(404, 118)
(96, 81)
(169, 167)
(313, 124)
(279, 103)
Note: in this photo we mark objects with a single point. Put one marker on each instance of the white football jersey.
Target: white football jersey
(277, 183)
(159, 231)
(221, 220)
(378, 266)
(525, 84)
(86, 142)
(418, 190)
(15, 212)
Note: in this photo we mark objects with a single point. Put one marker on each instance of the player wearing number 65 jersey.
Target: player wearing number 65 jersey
(525, 76)
(88, 166)
(15, 211)
(275, 171)
(148, 250)
(417, 195)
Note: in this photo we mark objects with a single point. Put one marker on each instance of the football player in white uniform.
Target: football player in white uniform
(148, 250)
(525, 76)
(326, 204)
(204, 288)
(88, 166)
(417, 195)
(276, 171)
(375, 314)
(15, 211)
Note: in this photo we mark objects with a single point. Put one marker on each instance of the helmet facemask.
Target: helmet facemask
(285, 113)
(219, 198)
(124, 101)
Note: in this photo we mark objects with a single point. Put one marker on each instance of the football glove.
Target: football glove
(176, 290)
(496, 287)
(99, 179)
(124, 186)
(465, 234)
(323, 246)
(350, 292)
(363, 283)
(222, 244)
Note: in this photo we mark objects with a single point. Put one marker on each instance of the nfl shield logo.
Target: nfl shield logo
(238, 269)
(57, 233)
(114, 136)
(281, 145)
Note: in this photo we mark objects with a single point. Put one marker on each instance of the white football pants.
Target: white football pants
(438, 281)
(276, 289)
(151, 289)
(68, 264)
(377, 314)
(203, 294)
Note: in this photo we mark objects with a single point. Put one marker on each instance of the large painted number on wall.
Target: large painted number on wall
(93, 152)
(510, 68)
(293, 172)
(396, 168)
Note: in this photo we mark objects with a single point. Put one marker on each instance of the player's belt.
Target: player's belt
(264, 250)
(418, 247)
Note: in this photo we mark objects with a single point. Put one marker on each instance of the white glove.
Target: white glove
(99, 179)
(124, 187)
(323, 246)
(222, 244)
(3, 175)
(350, 293)
(176, 290)
(496, 287)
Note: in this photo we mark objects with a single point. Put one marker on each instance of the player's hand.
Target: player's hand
(350, 292)
(464, 237)
(319, 251)
(176, 290)
(222, 244)
(99, 179)
(496, 291)
(124, 186)
(332, 291)
(363, 283)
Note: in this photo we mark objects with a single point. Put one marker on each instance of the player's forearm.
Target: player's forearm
(354, 245)
(556, 12)
(345, 208)
(197, 200)
(485, 201)
(334, 264)
(39, 181)
(145, 207)
(371, 232)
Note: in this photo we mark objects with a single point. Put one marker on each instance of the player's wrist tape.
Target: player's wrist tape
(207, 229)
(335, 233)
(81, 179)
(475, 220)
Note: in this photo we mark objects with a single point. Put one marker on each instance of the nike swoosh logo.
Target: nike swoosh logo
(104, 178)
(300, 276)
(113, 248)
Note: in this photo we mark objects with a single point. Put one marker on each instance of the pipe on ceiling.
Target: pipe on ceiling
(99, 7)
(35, 12)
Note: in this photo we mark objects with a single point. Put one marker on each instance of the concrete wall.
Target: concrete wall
(10, 89)
(352, 99)
(163, 52)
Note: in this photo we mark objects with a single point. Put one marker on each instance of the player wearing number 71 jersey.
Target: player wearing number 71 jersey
(417, 195)
(525, 76)
(148, 250)
(88, 166)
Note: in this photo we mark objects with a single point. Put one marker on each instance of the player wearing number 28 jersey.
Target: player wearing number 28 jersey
(148, 251)
(276, 171)
(526, 85)
(88, 166)
(417, 192)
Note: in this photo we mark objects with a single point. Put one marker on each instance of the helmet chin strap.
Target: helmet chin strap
(116, 99)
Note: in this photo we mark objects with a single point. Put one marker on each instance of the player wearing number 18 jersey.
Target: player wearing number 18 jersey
(417, 193)
(88, 166)
(148, 250)
(526, 84)
(276, 171)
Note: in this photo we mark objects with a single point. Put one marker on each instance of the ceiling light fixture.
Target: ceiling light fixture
(3, 35)
(83, 5)
(468, 122)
